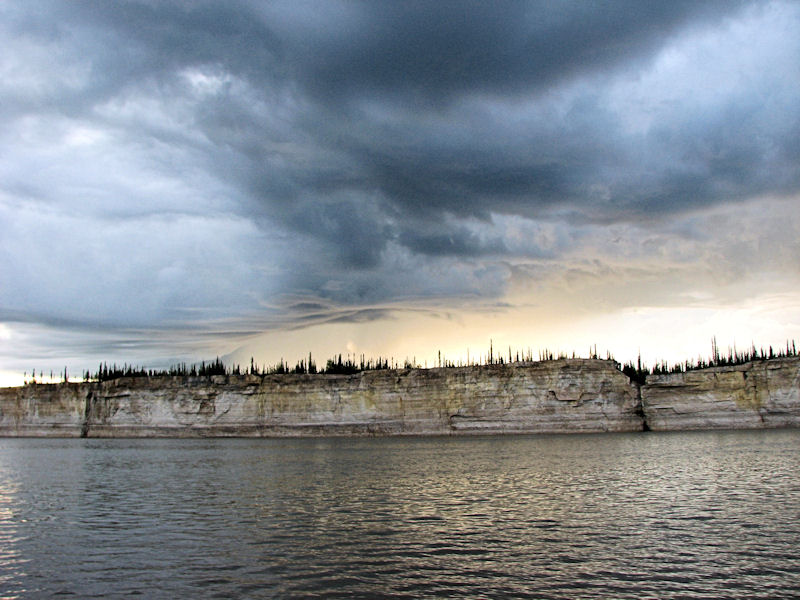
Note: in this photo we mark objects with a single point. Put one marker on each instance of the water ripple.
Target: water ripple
(624, 516)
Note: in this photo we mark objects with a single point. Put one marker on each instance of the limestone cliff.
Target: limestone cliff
(552, 396)
(43, 410)
(753, 395)
(560, 396)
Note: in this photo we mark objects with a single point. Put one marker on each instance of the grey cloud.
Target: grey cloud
(362, 316)
(438, 50)
(456, 242)
(379, 52)
(308, 306)
(353, 230)
(359, 154)
(431, 49)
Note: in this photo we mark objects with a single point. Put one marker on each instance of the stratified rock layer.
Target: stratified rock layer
(559, 396)
(577, 395)
(43, 410)
(754, 395)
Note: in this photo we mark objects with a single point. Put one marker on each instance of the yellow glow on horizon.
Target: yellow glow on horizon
(10, 379)
(673, 334)
(14, 379)
(670, 333)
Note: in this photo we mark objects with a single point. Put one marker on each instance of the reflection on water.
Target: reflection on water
(695, 515)
(12, 564)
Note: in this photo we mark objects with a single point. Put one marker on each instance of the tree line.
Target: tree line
(639, 372)
(352, 364)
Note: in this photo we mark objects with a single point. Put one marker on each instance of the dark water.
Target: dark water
(696, 515)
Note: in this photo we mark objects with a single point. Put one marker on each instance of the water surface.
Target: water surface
(689, 515)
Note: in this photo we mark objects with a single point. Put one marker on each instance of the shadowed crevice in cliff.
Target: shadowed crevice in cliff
(87, 412)
(640, 407)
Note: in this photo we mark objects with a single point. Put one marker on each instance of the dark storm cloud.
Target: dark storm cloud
(415, 63)
(440, 50)
(458, 242)
(431, 49)
(213, 156)
(353, 231)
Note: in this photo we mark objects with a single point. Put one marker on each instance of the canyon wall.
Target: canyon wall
(568, 395)
(754, 395)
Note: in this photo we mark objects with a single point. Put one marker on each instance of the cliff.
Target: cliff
(759, 394)
(560, 396)
(552, 396)
(43, 410)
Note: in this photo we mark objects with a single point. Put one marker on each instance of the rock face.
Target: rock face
(577, 395)
(43, 410)
(559, 396)
(754, 395)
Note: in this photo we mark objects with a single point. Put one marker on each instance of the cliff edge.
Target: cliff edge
(559, 396)
(754, 395)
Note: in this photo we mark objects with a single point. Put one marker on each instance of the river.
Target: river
(642, 515)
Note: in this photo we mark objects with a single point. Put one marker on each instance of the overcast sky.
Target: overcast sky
(191, 179)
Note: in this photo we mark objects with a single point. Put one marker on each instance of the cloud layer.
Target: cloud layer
(223, 169)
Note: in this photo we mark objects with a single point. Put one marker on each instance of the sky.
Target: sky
(186, 180)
